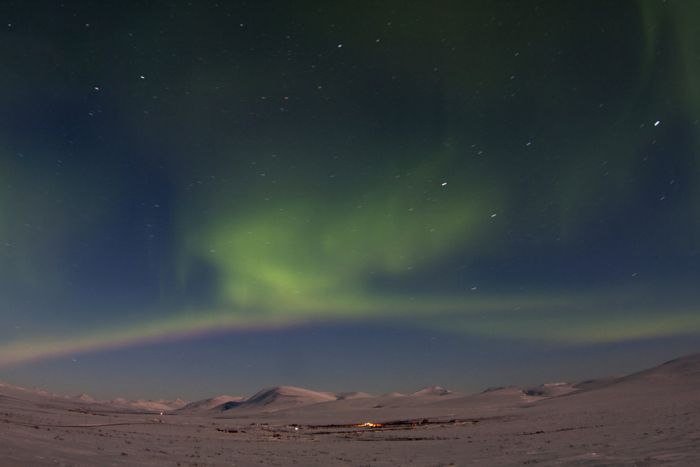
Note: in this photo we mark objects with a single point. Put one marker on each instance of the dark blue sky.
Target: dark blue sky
(249, 183)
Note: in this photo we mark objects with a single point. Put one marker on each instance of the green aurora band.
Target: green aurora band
(294, 253)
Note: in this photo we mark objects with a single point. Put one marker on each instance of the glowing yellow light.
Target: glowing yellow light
(369, 425)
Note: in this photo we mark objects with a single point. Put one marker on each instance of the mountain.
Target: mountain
(209, 404)
(84, 398)
(159, 405)
(678, 369)
(282, 397)
(341, 396)
(682, 372)
(393, 394)
(671, 387)
(433, 391)
(550, 389)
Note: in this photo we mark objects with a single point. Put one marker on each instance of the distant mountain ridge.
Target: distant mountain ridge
(433, 391)
(279, 397)
(683, 372)
(210, 403)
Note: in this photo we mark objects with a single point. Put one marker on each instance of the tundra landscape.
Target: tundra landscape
(349, 232)
(651, 417)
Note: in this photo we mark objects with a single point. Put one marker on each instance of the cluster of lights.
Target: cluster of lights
(369, 425)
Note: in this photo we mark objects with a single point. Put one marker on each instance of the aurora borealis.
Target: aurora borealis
(492, 172)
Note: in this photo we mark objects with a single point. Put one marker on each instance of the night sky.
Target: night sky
(211, 197)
